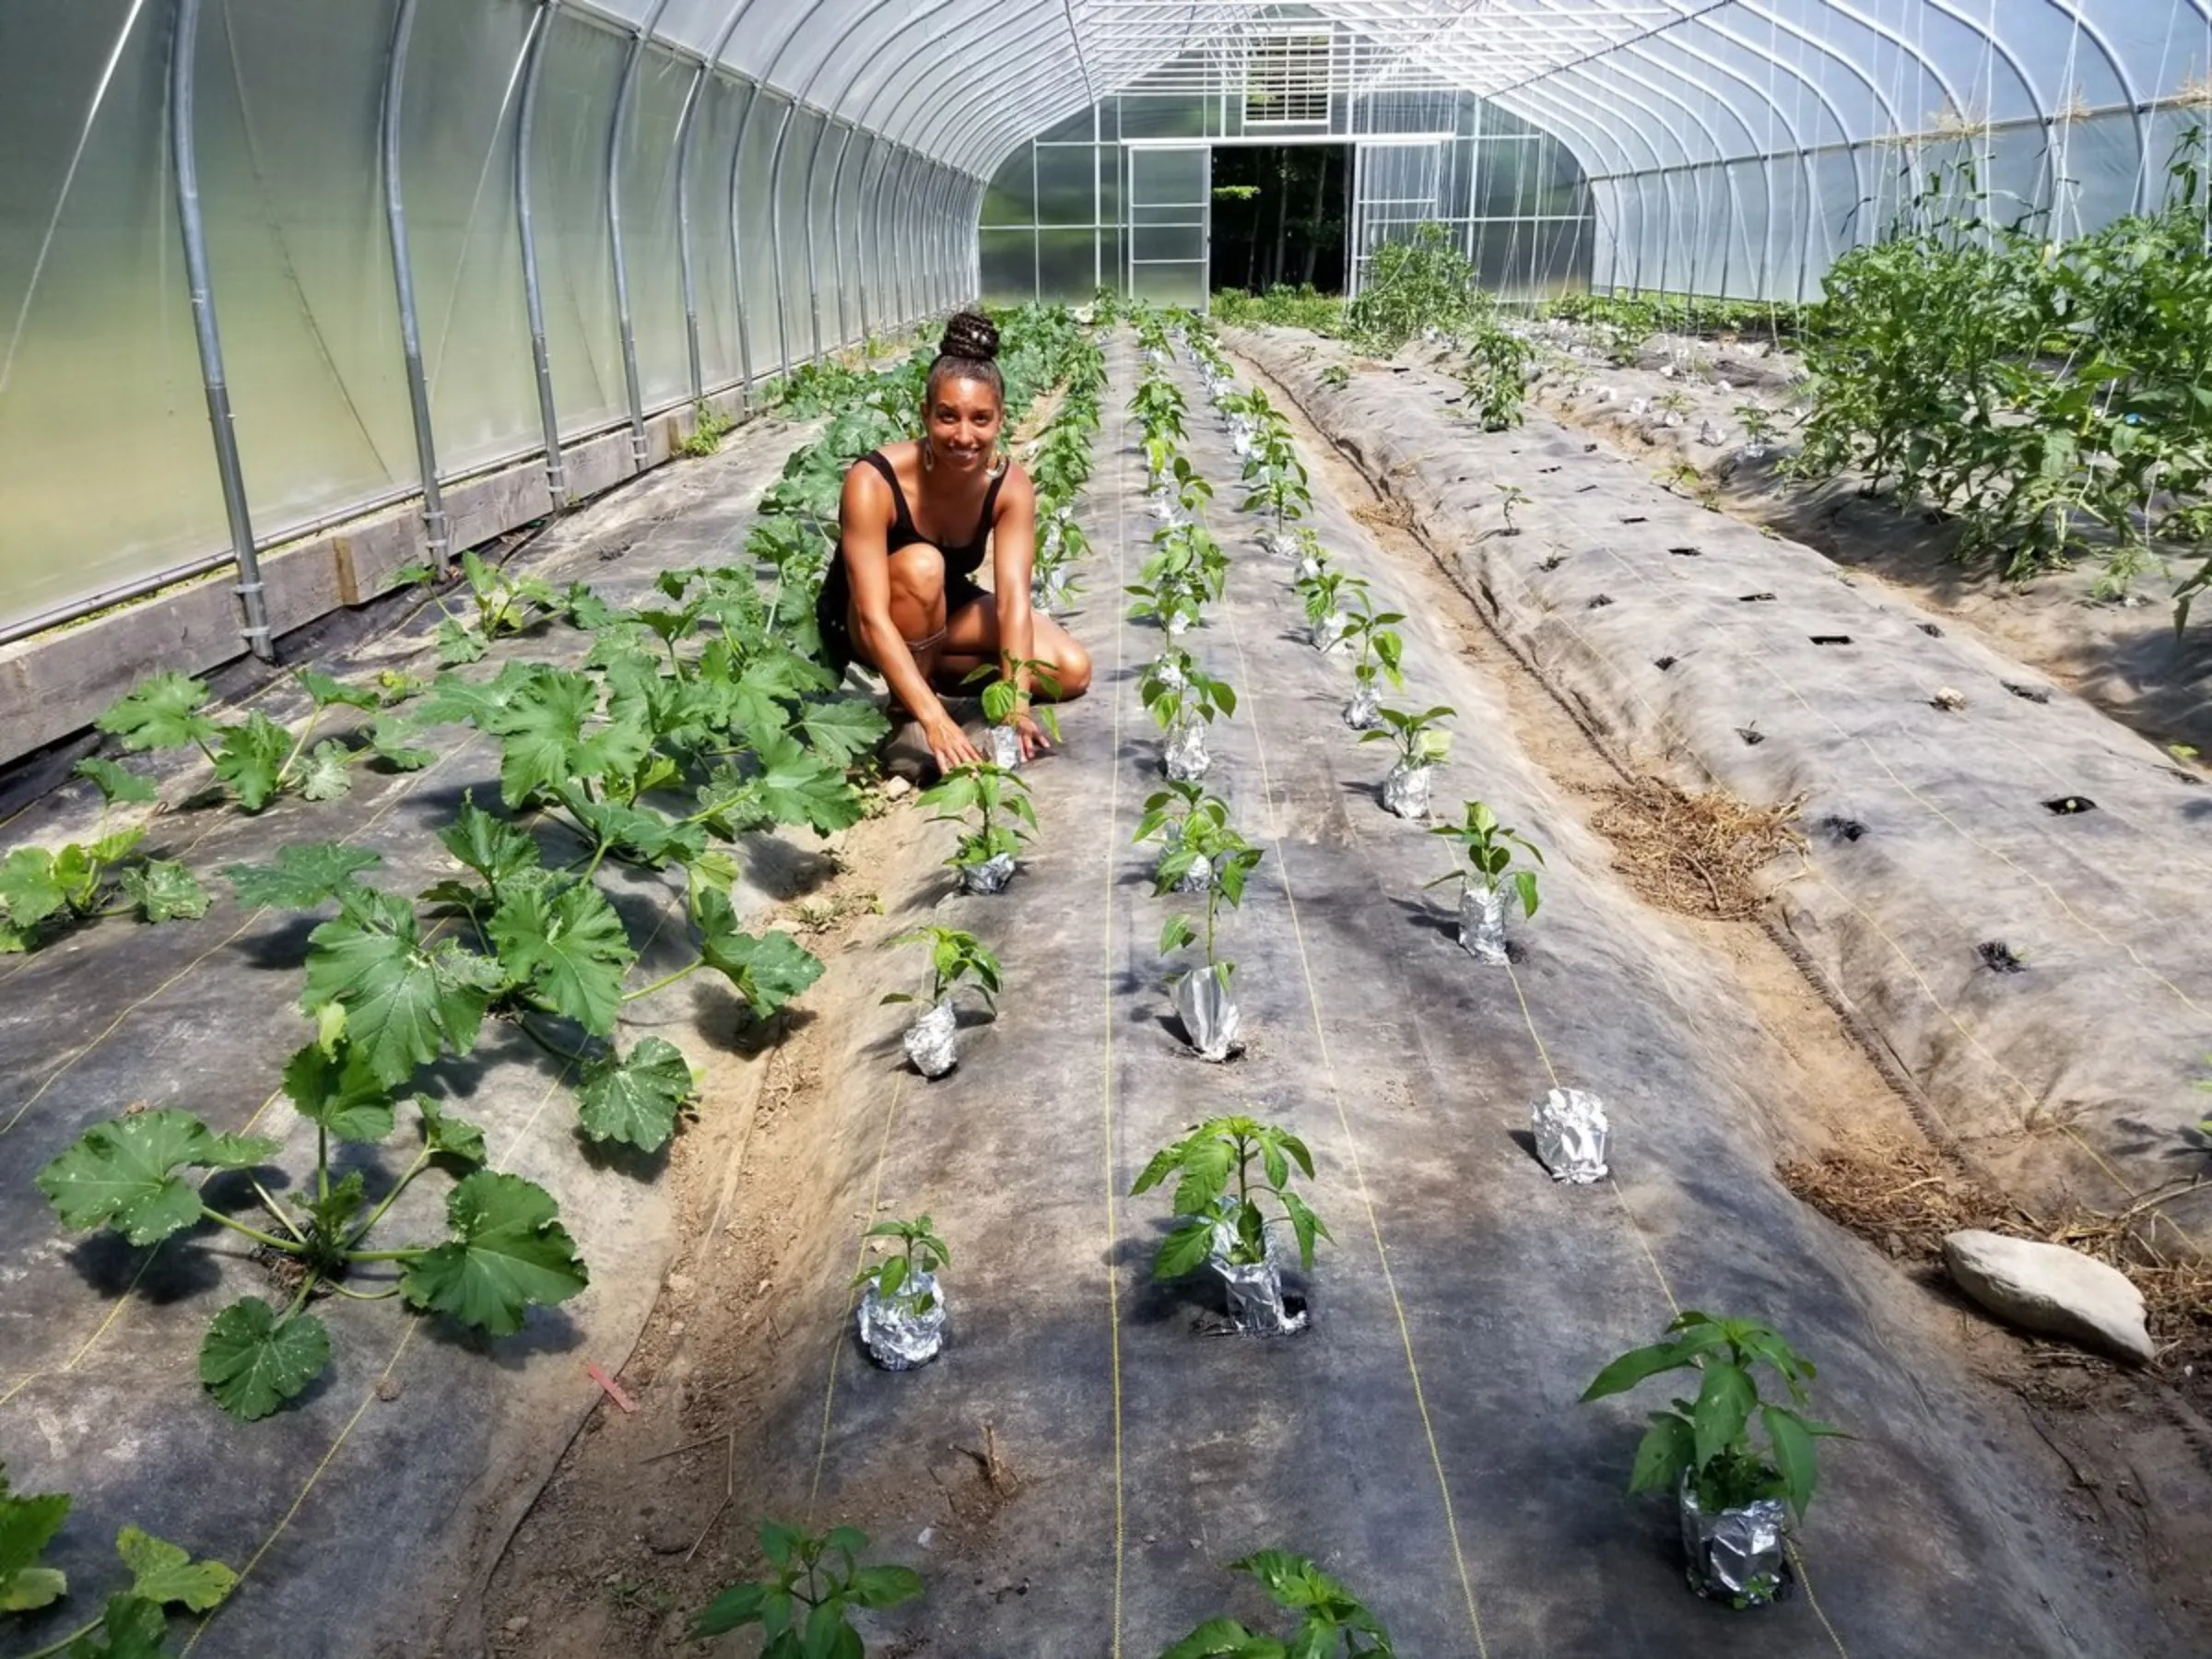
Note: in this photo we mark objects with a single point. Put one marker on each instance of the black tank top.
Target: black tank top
(962, 560)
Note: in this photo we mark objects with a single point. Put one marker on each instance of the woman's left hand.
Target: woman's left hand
(1032, 737)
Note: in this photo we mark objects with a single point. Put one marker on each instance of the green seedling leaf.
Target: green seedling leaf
(406, 1001)
(336, 1088)
(327, 692)
(458, 645)
(163, 713)
(884, 1586)
(124, 1173)
(117, 784)
(636, 1097)
(253, 1362)
(164, 889)
(323, 774)
(130, 1628)
(509, 1252)
(168, 1576)
(252, 759)
(392, 740)
(768, 970)
(30, 886)
(842, 731)
(304, 875)
(1668, 1447)
(569, 946)
(451, 1137)
(27, 1526)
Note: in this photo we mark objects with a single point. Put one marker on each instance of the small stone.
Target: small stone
(1948, 699)
(2051, 1289)
(896, 789)
(388, 1389)
(675, 1327)
(518, 1624)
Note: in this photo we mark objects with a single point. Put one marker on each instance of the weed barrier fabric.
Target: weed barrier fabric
(1757, 665)
(1465, 1495)
(413, 1455)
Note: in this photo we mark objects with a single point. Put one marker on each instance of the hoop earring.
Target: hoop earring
(929, 453)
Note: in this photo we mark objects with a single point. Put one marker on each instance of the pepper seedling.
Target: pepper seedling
(804, 1607)
(1004, 697)
(1218, 1195)
(1511, 496)
(1374, 634)
(1416, 733)
(1489, 848)
(1000, 799)
(894, 1278)
(1333, 1622)
(955, 957)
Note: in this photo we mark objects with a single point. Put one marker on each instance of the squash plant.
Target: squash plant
(1332, 1621)
(803, 1607)
(1708, 1443)
(44, 892)
(1218, 1193)
(134, 1622)
(257, 758)
(1000, 799)
(506, 603)
(505, 1250)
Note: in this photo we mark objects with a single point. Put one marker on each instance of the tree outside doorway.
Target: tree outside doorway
(1280, 216)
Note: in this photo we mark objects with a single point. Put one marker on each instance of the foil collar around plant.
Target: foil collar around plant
(1282, 544)
(1186, 757)
(1482, 923)
(1167, 673)
(1005, 744)
(990, 877)
(1364, 712)
(1209, 1014)
(1309, 566)
(1572, 1131)
(1328, 632)
(930, 1040)
(898, 1334)
(1737, 1556)
(1406, 790)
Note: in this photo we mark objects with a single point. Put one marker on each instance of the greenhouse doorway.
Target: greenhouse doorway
(1281, 217)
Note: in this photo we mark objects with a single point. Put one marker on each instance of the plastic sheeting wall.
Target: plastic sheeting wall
(108, 479)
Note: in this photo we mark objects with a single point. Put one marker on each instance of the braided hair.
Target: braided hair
(968, 351)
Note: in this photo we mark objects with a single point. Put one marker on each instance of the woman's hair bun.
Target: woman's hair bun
(970, 336)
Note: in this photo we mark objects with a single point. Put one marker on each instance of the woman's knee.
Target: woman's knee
(918, 574)
(1071, 671)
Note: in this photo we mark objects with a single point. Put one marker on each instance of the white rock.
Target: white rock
(2050, 1289)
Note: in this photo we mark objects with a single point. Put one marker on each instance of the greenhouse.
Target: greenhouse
(1105, 829)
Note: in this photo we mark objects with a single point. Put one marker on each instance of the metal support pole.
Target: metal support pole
(436, 534)
(886, 220)
(775, 233)
(745, 341)
(183, 157)
(813, 274)
(623, 94)
(685, 261)
(837, 233)
(533, 297)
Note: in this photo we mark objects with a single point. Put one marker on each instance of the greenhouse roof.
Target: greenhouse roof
(1629, 83)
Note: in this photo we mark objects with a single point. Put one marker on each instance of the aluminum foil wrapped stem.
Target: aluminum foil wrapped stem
(1209, 1014)
(990, 877)
(1363, 713)
(896, 1334)
(1571, 1131)
(930, 1040)
(1406, 790)
(1186, 757)
(1328, 633)
(1005, 744)
(1736, 1555)
(1482, 921)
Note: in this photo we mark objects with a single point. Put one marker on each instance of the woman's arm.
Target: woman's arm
(1013, 563)
(864, 517)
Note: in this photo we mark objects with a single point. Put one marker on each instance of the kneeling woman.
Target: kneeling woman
(900, 595)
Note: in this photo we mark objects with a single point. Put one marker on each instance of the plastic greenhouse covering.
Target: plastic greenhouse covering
(266, 266)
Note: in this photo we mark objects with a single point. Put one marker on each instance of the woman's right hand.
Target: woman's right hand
(948, 742)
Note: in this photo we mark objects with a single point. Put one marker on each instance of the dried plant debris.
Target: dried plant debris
(1695, 854)
(1386, 514)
